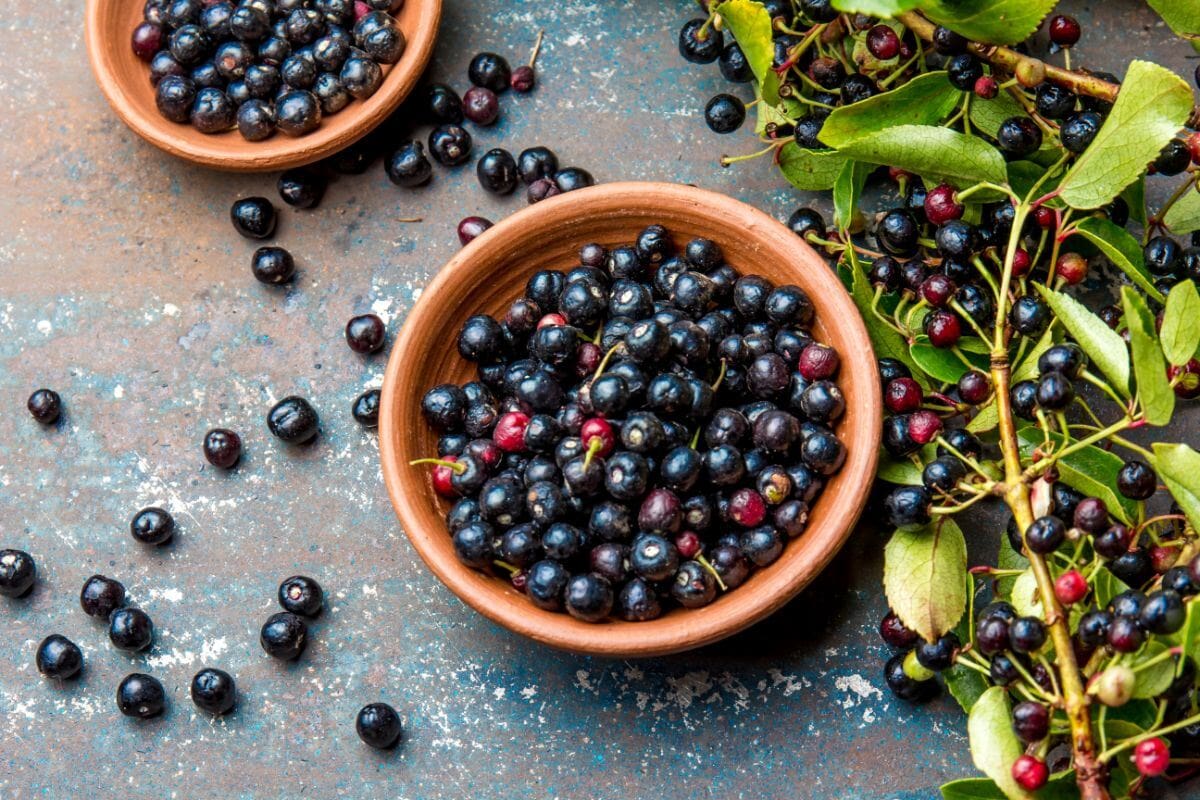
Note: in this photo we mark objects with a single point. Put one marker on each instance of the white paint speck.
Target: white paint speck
(44, 327)
(118, 391)
(170, 310)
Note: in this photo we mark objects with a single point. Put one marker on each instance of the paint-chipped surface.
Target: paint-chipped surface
(123, 286)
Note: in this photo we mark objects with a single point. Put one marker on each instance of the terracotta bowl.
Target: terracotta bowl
(489, 273)
(125, 81)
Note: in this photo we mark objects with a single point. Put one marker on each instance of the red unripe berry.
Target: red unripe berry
(986, 87)
(1070, 588)
(1021, 262)
(902, 395)
(1044, 217)
(688, 544)
(1072, 267)
(361, 9)
(1163, 558)
(818, 362)
(941, 206)
(747, 508)
(471, 227)
(1193, 145)
(1064, 30)
(487, 452)
(509, 434)
(943, 328)
(1031, 773)
(519, 580)
(598, 429)
(523, 78)
(1186, 379)
(1152, 757)
(883, 42)
(937, 290)
(587, 359)
(441, 478)
(924, 426)
(556, 319)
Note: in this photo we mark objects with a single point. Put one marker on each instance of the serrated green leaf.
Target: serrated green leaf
(750, 23)
(942, 364)
(810, 170)
(994, 21)
(924, 577)
(924, 100)
(897, 471)
(1180, 335)
(1179, 467)
(1181, 16)
(994, 746)
(1151, 107)
(1154, 679)
(987, 419)
(1103, 345)
(1184, 216)
(937, 154)
(886, 341)
(987, 115)
(876, 8)
(847, 190)
(1090, 470)
(1124, 251)
(1149, 366)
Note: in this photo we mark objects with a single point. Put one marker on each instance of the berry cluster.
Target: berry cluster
(265, 65)
(646, 427)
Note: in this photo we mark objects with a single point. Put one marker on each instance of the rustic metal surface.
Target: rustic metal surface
(123, 286)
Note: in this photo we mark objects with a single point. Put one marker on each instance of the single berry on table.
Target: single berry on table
(130, 629)
(284, 636)
(152, 525)
(301, 595)
(365, 333)
(293, 420)
(253, 217)
(301, 188)
(213, 691)
(481, 106)
(141, 696)
(222, 448)
(58, 657)
(378, 725)
(101, 596)
(366, 408)
(724, 113)
(491, 71)
(45, 406)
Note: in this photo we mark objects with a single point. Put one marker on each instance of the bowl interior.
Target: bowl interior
(487, 275)
(125, 81)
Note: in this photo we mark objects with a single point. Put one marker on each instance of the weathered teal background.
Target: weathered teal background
(123, 286)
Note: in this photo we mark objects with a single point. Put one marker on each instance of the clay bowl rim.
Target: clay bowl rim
(108, 25)
(835, 513)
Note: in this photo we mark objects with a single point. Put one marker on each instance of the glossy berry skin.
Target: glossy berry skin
(523, 79)
(974, 387)
(908, 506)
(1023, 396)
(408, 165)
(883, 43)
(365, 409)
(1029, 315)
(963, 70)
(700, 43)
(301, 595)
(213, 691)
(58, 657)
(1030, 773)
(470, 228)
(293, 420)
(222, 448)
(379, 726)
(101, 596)
(534, 163)
(141, 696)
(1031, 721)
(895, 634)
(942, 328)
(45, 406)
(497, 171)
(1137, 480)
(1055, 391)
(1064, 30)
(130, 629)
(1079, 129)
(1053, 101)
(284, 636)
(1162, 255)
(1070, 588)
(481, 106)
(1026, 634)
(450, 145)
(724, 113)
(1124, 635)
(491, 71)
(152, 526)
(1163, 612)
(805, 221)
(903, 395)
(17, 573)
(272, 265)
(1068, 359)
(366, 333)
(253, 217)
(941, 206)
(1151, 757)
(905, 687)
(898, 233)
(1019, 136)
(939, 655)
(588, 597)
(301, 188)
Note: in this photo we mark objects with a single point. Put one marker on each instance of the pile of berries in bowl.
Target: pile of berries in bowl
(264, 65)
(641, 430)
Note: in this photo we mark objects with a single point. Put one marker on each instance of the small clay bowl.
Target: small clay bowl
(490, 272)
(125, 81)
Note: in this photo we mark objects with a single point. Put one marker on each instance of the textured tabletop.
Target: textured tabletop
(124, 287)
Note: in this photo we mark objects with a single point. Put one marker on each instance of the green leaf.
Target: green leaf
(1060, 787)
(1180, 334)
(1103, 345)
(965, 685)
(987, 419)
(901, 472)
(1090, 470)
(988, 115)
(1024, 175)
(1179, 467)
(1149, 366)
(1181, 16)
(1028, 368)
(1121, 249)
(1188, 637)
(750, 23)
(942, 364)
(994, 21)
(1024, 596)
(924, 577)
(847, 190)
(1154, 679)
(1141, 713)
(1134, 196)
(885, 340)
(1008, 558)
(876, 8)
(937, 154)
(810, 170)
(1151, 107)
(1184, 216)
(994, 746)
(1107, 586)
(925, 100)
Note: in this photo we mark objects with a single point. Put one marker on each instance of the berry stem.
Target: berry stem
(604, 361)
(537, 47)
(704, 562)
(595, 445)
(1037, 469)
(454, 466)
(1134, 741)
